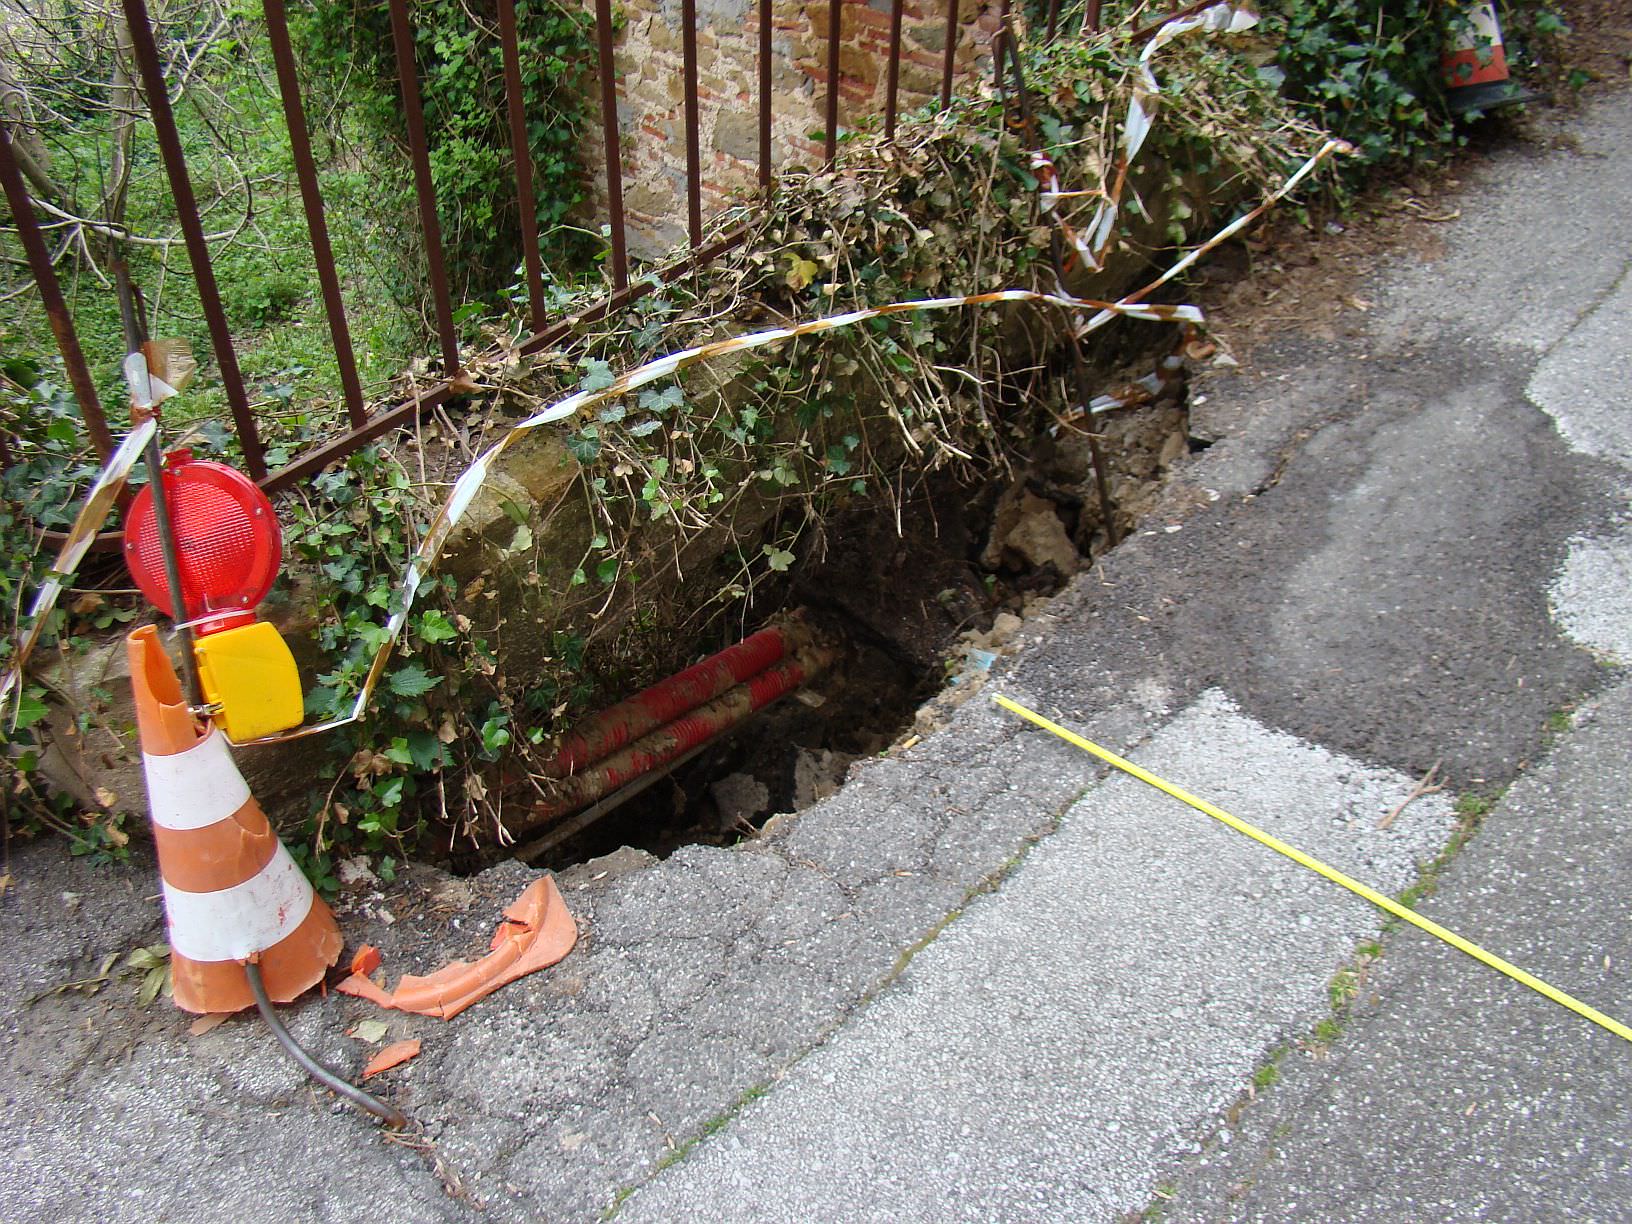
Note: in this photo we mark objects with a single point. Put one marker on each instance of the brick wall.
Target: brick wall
(651, 98)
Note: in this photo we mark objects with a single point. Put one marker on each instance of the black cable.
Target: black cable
(389, 1114)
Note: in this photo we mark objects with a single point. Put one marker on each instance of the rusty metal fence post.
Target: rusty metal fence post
(515, 104)
(311, 198)
(613, 143)
(694, 157)
(835, 19)
(951, 52)
(56, 308)
(146, 51)
(402, 38)
(765, 96)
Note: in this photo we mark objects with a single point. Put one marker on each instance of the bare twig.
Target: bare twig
(1424, 787)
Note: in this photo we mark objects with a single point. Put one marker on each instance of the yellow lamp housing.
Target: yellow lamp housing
(250, 674)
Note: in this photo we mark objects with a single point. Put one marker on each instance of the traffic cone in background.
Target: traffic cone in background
(231, 891)
(1475, 65)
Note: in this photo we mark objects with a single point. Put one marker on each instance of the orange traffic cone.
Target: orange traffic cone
(1475, 64)
(231, 891)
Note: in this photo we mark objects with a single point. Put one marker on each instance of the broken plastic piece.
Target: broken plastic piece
(366, 960)
(537, 931)
(394, 1055)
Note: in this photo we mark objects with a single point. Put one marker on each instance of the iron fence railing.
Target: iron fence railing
(363, 422)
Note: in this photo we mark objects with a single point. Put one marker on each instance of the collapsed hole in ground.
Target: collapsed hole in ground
(906, 599)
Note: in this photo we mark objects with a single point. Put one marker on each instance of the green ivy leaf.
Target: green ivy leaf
(30, 709)
(436, 627)
(495, 734)
(597, 375)
(412, 681)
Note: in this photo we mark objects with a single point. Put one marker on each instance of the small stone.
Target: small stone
(1004, 626)
(739, 797)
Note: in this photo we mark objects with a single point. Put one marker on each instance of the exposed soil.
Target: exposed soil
(917, 601)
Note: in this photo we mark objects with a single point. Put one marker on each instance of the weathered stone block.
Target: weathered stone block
(737, 133)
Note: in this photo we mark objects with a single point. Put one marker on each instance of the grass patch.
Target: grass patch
(1471, 809)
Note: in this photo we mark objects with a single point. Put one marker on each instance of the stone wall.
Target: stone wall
(651, 96)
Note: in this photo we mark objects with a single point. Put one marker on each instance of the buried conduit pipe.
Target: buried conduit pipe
(604, 784)
(600, 735)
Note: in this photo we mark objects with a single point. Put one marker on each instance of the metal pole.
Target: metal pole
(892, 85)
(135, 328)
(509, 40)
(56, 309)
(765, 95)
(951, 50)
(694, 157)
(146, 51)
(834, 19)
(311, 198)
(402, 38)
(614, 148)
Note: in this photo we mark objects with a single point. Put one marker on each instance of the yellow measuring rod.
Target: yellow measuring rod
(1387, 904)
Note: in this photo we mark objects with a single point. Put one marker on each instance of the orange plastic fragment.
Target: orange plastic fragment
(207, 1022)
(394, 1055)
(366, 961)
(537, 931)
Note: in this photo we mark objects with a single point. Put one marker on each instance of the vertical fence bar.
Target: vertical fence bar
(614, 146)
(510, 42)
(1000, 41)
(402, 37)
(146, 51)
(311, 198)
(1053, 20)
(56, 308)
(1090, 16)
(835, 10)
(694, 158)
(893, 82)
(765, 95)
(951, 50)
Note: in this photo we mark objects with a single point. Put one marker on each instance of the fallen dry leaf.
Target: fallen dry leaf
(369, 1031)
(366, 961)
(395, 1054)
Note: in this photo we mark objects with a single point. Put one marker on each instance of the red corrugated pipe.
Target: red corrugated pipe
(602, 734)
(675, 739)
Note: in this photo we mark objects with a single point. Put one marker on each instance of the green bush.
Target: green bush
(461, 73)
(1370, 71)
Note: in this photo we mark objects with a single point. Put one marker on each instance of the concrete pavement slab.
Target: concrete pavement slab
(1057, 1046)
(1454, 1093)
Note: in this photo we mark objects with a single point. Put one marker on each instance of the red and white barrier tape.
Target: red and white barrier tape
(470, 481)
(1225, 18)
(92, 514)
(1092, 247)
